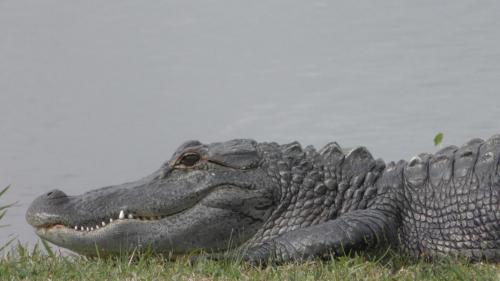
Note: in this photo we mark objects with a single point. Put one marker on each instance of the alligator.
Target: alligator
(269, 202)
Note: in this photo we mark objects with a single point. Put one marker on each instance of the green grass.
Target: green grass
(3, 211)
(21, 264)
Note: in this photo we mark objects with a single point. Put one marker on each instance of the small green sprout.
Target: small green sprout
(438, 139)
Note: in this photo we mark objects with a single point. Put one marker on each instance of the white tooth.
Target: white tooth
(130, 216)
(81, 228)
(96, 227)
(88, 228)
(76, 227)
(91, 228)
(121, 216)
(110, 220)
(103, 223)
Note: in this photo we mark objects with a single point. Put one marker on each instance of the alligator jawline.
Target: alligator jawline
(88, 227)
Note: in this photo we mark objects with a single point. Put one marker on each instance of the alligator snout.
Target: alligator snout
(43, 210)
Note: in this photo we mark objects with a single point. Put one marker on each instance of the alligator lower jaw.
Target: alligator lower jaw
(115, 238)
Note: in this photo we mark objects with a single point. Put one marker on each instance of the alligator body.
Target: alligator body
(284, 202)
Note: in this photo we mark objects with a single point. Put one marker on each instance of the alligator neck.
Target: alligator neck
(316, 186)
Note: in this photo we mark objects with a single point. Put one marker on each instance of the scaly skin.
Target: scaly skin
(266, 201)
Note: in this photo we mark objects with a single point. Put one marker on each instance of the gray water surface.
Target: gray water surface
(94, 93)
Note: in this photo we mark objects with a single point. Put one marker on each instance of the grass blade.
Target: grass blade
(2, 214)
(3, 210)
(7, 244)
(7, 206)
(4, 190)
(2, 193)
(47, 247)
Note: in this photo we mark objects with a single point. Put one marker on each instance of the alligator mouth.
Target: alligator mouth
(122, 217)
(100, 224)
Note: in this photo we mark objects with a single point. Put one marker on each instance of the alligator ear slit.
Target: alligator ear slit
(224, 164)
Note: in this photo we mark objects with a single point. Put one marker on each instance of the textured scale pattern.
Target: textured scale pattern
(446, 204)
(451, 202)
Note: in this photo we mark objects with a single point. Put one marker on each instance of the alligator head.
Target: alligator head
(207, 197)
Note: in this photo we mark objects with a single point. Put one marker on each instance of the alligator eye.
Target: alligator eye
(190, 159)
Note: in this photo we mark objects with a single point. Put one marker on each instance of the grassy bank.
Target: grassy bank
(19, 264)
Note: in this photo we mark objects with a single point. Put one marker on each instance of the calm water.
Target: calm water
(96, 93)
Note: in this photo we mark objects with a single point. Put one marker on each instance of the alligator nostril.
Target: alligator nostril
(55, 194)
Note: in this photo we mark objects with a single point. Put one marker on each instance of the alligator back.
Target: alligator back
(451, 202)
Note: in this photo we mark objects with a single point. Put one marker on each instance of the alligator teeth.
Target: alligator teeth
(121, 216)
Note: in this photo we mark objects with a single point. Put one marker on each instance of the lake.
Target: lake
(96, 93)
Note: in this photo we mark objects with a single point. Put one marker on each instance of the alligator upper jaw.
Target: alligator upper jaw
(143, 200)
(44, 217)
